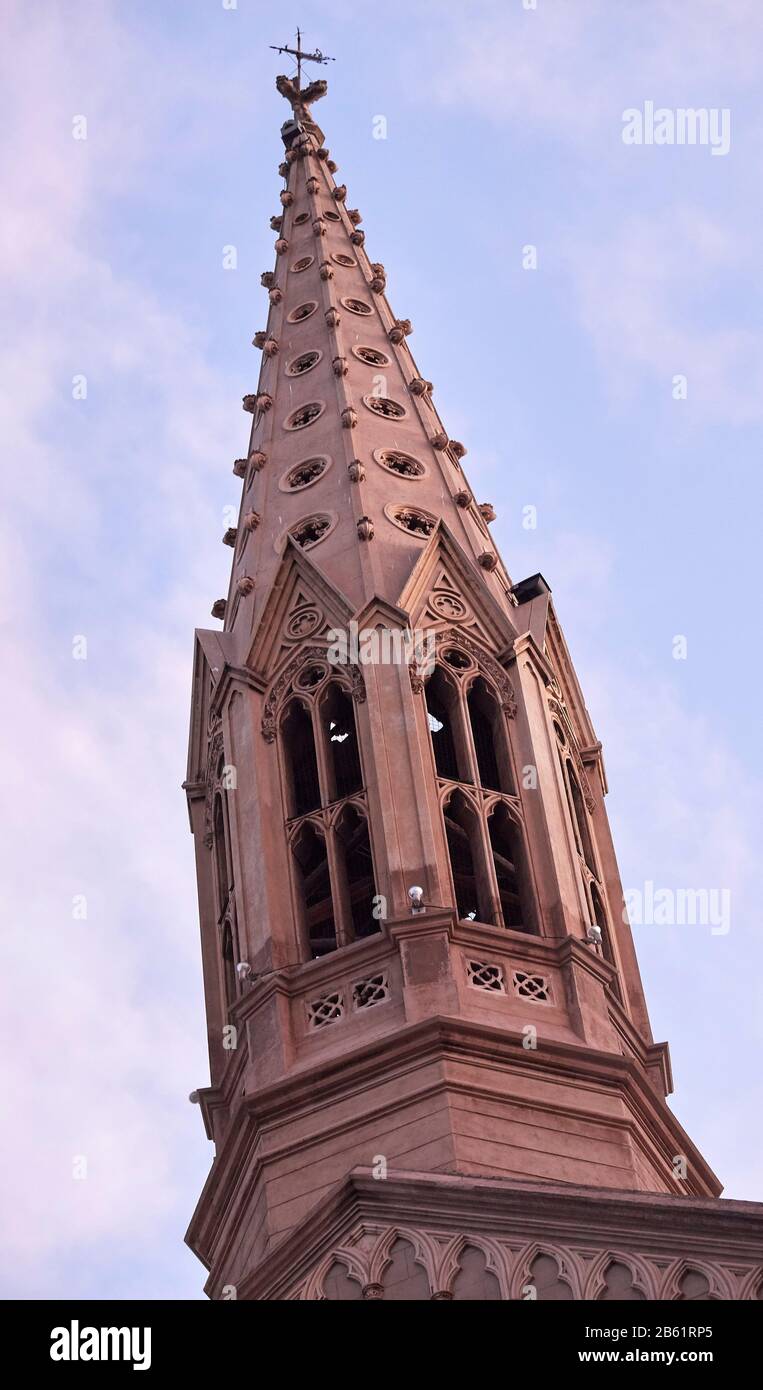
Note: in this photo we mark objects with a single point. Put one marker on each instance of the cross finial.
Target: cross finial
(302, 56)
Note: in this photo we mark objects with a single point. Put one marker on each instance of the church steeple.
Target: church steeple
(385, 711)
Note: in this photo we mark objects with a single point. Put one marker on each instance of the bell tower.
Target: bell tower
(432, 1071)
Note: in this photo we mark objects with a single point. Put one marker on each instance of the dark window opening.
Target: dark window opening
(310, 531)
(581, 820)
(229, 966)
(482, 712)
(353, 835)
(297, 733)
(311, 857)
(221, 859)
(441, 733)
(415, 522)
(457, 824)
(338, 719)
(506, 844)
(382, 405)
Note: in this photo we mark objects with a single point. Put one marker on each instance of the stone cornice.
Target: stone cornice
(506, 1209)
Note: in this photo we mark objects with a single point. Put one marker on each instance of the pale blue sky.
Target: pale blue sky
(504, 128)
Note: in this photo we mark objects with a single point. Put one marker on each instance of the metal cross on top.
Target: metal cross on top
(302, 56)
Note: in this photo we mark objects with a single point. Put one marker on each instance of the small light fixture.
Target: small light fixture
(594, 935)
(194, 1098)
(243, 970)
(416, 896)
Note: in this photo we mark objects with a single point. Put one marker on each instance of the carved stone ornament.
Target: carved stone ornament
(282, 246)
(239, 468)
(456, 637)
(365, 529)
(349, 418)
(264, 401)
(230, 536)
(283, 169)
(259, 340)
(326, 271)
(487, 560)
(339, 366)
(245, 585)
(340, 192)
(400, 330)
(258, 460)
(283, 686)
(378, 284)
(286, 197)
(276, 224)
(332, 317)
(416, 678)
(354, 216)
(215, 751)
(439, 440)
(267, 279)
(420, 387)
(275, 296)
(357, 238)
(356, 471)
(218, 608)
(322, 153)
(457, 449)
(487, 511)
(319, 228)
(252, 521)
(312, 184)
(249, 403)
(270, 347)
(464, 499)
(332, 166)
(291, 157)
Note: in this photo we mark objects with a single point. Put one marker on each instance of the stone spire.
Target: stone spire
(348, 454)
(416, 961)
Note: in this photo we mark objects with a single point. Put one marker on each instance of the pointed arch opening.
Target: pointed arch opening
(301, 760)
(580, 818)
(355, 842)
(488, 737)
(221, 857)
(341, 740)
(443, 718)
(229, 966)
(509, 860)
(310, 853)
(462, 834)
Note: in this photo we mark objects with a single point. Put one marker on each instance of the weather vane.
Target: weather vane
(302, 57)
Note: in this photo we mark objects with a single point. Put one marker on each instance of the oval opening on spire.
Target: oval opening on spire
(303, 311)
(371, 356)
(401, 464)
(304, 362)
(304, 415)
(304, 474)
(357, 306)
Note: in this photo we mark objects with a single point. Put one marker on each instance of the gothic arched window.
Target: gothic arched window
(312, 859)
(467, 728)
(221, 858)
(341, 739)
(488, 736)
(352, 833)
(580, 816)
(508, 858)
(330, 842)
(229, 965)
(462, 833)
(442, 707)
(304, 783)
